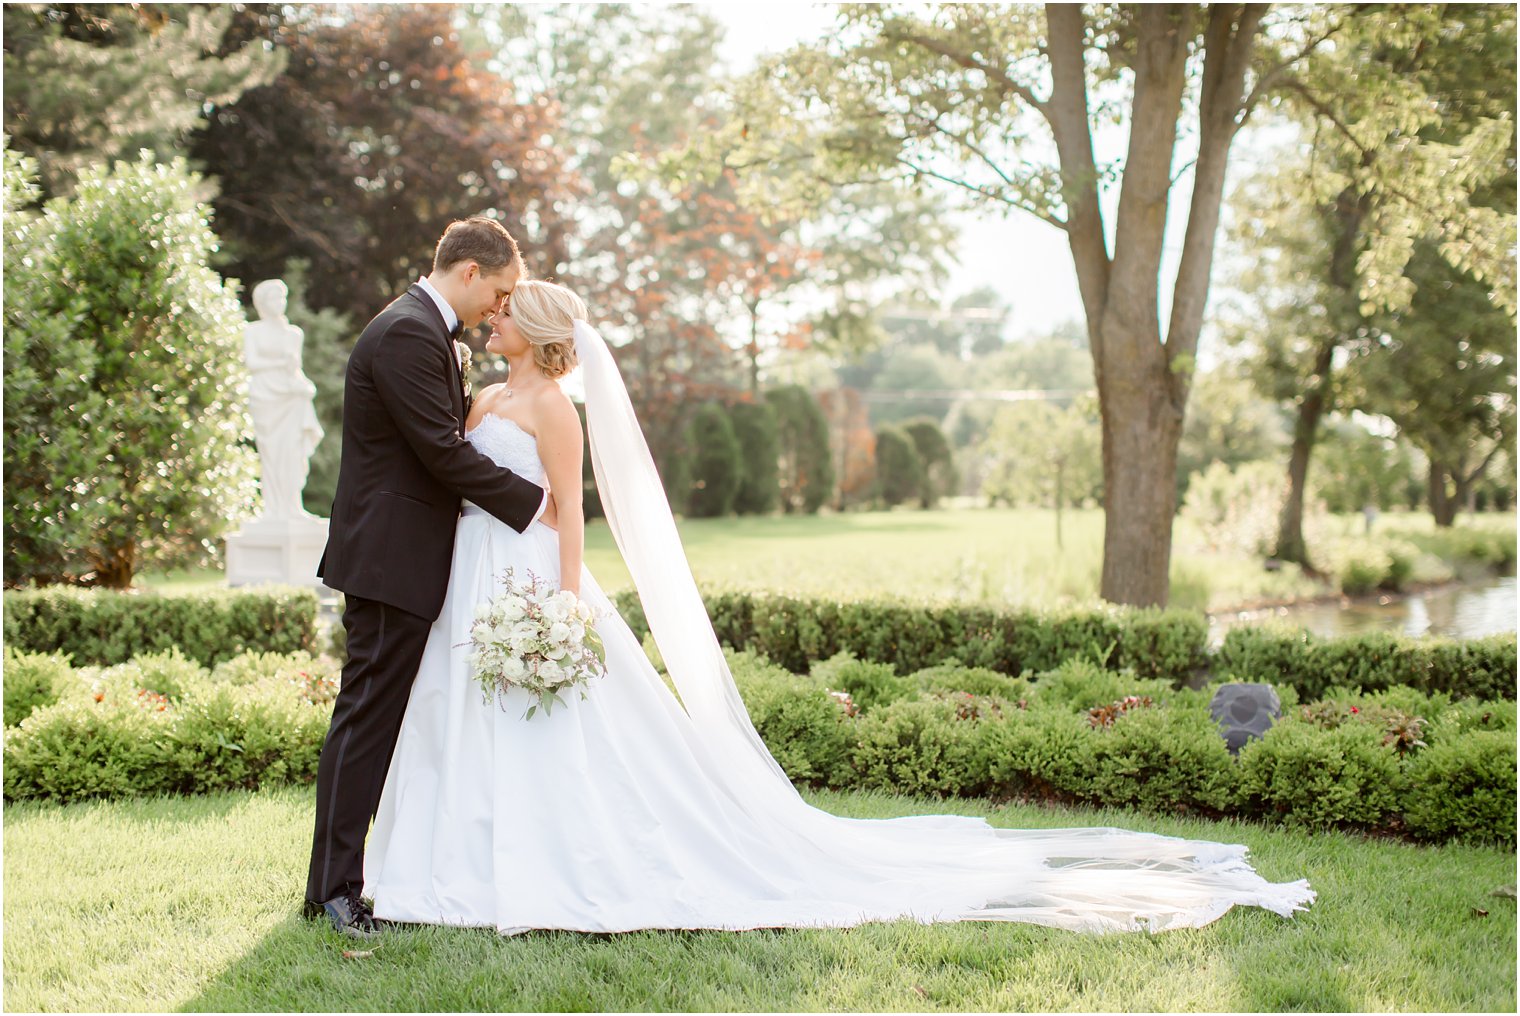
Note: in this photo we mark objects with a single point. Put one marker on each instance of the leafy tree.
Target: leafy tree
(805, 469)
(947, 94)
(852, 446)
(385, 125)
(1358, 468)
(907, 369)
(654, 263)
(939, 476)
(1229, 421)
(90, 83)
(1057, 362)
(701, 291)
(1496, 490)
(716, 468)
(951, 93)
(755, 427)
(1233, 510)
(1405, 95)
(1444, 371)
(129, 444)
(1043, 454)
(899, 472)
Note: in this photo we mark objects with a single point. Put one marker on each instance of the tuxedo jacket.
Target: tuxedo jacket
(405, 464)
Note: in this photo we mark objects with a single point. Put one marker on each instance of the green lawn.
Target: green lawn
(984, 555)
(997, 555)
(192, 904)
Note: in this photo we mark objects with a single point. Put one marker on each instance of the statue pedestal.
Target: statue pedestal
(277, 550)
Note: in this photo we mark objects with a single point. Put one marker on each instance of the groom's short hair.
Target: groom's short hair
(479, 239)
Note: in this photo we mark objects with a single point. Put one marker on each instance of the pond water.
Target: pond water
(1460, 610)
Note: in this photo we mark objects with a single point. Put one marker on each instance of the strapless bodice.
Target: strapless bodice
(507, 444)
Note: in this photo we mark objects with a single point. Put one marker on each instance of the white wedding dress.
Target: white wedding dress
(632, 809)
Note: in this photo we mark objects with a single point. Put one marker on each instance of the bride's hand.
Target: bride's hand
(550, 517)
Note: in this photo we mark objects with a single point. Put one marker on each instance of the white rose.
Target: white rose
(559, 631)
(513, 667)
(557, 653)
(555, 611)
(578, 633)
(583, 611)
(511, 610)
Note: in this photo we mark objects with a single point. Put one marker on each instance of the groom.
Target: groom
(405, 465)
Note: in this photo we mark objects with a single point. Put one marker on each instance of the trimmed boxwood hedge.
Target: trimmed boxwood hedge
(98, 626)
(1168, 645)
(795, 631)
(1482, 668)
(1399, 761)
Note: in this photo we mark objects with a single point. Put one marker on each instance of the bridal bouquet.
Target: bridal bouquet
(533, 638)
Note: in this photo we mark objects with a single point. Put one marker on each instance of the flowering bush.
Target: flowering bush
(531, 638)
(1104, 716)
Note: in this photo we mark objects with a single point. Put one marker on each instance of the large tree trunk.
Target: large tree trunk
(1290, 527)
(1141, 424)
(1442, 505)
(115, 565)
(1143, 377)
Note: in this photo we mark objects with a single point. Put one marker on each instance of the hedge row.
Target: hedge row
(107, 627)
(162, 724)
(1169, 645)
(101, 627)
(1397, 761)
(1477, 668)
(794, 631)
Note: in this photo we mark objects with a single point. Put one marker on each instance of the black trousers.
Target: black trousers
(385, 646)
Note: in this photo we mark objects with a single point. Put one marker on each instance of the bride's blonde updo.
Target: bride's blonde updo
(545, 314)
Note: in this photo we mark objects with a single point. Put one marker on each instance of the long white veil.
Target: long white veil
(937, 867)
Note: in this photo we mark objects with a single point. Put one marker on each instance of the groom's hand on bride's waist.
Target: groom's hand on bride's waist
(550, 517)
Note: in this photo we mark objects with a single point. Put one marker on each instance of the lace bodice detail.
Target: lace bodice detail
(507, 444)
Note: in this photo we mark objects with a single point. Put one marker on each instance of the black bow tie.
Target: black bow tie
(457, 330)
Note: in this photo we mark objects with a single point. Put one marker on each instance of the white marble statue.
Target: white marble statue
(280, 398)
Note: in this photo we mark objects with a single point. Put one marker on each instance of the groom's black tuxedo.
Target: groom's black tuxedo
(404, 468)
(405, 464)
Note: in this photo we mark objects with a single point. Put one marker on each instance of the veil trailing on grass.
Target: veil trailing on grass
(928, 868)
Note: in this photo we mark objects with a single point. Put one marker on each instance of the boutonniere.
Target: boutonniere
(464, 368)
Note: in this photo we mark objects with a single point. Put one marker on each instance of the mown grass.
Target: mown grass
(992, 555)
(977, 555)
(191, 904)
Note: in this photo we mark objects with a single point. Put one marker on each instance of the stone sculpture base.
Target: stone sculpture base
(277, 550)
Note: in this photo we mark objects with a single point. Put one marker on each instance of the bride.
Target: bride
(632, 809)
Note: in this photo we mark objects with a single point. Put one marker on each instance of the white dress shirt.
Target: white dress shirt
(449, 320)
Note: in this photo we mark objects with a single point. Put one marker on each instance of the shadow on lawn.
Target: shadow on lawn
(301, 966)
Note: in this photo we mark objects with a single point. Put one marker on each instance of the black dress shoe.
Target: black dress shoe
(349, 915)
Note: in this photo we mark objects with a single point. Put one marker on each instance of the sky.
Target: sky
(1024, 259)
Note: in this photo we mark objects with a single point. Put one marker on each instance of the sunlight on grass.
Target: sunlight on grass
(192, 904)
(997, 555)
